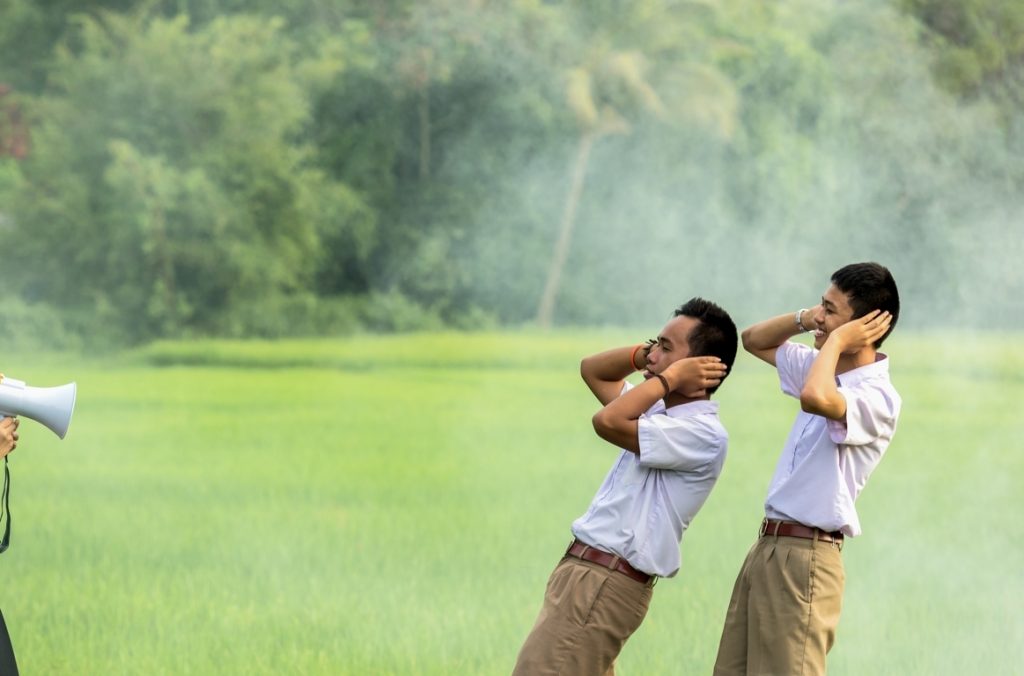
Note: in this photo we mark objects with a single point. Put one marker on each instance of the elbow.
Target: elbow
(810, 400)
(585, 369)
(748, 340)
(602, 423)
(807, 406)
(608, 426)
(817, 402)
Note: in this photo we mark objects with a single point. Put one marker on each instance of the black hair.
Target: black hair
(715, 335)
(869, 286)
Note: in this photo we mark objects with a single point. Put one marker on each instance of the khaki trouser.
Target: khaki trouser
(589, 611)
(784, 610)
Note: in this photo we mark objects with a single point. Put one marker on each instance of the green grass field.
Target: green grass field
(394, 505)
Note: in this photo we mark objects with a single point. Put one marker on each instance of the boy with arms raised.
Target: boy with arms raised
(672, 447)
(785, 605)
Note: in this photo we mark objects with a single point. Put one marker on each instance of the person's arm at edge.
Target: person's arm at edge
(764, 338)
(605, 372)
(8, 432)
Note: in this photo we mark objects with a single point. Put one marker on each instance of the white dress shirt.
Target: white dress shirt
(648, 500)
(826, 463)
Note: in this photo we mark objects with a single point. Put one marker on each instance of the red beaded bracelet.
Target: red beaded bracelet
(632, 357)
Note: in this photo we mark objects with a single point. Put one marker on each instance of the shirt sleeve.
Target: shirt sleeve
(793, 362)
(871, 414)
(680, 444)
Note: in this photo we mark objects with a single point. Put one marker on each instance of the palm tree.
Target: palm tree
(700, 95)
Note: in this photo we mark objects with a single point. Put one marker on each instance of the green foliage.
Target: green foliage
(978, 44)
(201, 202)
(218, 167)
(10, 180)
(35, 327)
(29, 29)
(281, 316)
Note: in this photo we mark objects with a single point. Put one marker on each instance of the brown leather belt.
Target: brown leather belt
(581, 550)
(798, 530)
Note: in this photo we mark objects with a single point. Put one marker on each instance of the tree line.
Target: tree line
(309, 167)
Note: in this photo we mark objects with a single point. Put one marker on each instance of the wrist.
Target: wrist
(640, 351)
(632, 356)
(664, 383)
(833, 343)
(798, 319)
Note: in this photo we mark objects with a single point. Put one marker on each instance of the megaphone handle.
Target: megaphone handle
(5, 508)
(5, 502)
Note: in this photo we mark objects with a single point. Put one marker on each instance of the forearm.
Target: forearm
(820, 395)
(617, 422)
(764, 338)
(605, 372)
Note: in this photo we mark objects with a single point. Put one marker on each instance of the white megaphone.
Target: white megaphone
(51, 406)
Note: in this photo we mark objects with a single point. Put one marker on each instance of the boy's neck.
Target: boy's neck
(849, 362)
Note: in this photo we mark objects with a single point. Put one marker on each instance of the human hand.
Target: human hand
(808, 315)
(8, 435)
(859, 333)
(693, 376)
(645, 351)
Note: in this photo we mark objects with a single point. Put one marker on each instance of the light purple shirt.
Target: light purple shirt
(648, 500)
(826, 463)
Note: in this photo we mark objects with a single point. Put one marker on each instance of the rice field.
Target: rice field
(394, 505)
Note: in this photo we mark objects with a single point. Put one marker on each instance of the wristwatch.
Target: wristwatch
(798, 318)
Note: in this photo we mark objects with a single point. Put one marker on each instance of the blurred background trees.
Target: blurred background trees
(247, 168)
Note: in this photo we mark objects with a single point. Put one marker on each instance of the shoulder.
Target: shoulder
(694, 442)
(792, 351)
(705, 425)
(873, 385)
(793, 362)
(880, 392)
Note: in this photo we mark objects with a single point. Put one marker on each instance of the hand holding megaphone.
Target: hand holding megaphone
(50, 406)
(8, 435)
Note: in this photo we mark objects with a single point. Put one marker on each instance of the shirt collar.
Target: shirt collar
(692, 408)
(880, 367)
